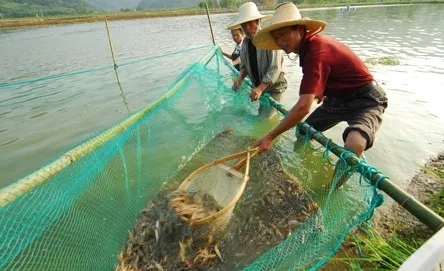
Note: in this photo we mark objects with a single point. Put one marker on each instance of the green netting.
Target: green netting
(75, 213)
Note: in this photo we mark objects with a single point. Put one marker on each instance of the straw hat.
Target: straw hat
(286, 14)
(247, 12)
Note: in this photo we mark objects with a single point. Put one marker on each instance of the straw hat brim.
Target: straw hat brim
(264, 40)
(237, 24)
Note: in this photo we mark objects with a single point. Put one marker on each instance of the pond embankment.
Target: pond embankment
(427, 186)
(127, 15)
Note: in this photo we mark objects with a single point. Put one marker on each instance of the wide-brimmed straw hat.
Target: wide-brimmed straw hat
(247, 12)
(286, 14)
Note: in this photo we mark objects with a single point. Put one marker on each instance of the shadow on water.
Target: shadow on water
(121, 92)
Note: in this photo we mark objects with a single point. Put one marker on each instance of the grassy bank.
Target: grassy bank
(96, 17)
(387, 248)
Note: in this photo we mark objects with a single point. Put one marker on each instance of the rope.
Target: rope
(307, 136)
(268, 99)
(382, 177)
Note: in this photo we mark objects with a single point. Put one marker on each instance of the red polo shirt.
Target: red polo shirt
(330, 67)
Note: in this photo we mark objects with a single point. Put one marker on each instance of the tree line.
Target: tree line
(39, 8)
(233, 4)
(42, 8)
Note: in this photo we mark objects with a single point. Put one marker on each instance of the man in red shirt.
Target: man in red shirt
(332, 74)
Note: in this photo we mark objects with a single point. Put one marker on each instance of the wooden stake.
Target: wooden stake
(115, 67)
(110, 44)
(211, 27)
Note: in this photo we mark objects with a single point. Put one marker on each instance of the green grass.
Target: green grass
(378, 253)
(384, 60)
(437, 203)
(437, 200)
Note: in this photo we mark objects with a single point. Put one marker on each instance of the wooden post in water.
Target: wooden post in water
(212, 35)
(115, 68)
(211, 27)
(110, 44)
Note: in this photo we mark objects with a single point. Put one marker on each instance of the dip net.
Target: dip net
(207, 197)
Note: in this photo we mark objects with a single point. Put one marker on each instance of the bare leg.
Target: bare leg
(355, 142)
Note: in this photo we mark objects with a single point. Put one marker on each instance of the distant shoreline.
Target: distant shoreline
(90, 18)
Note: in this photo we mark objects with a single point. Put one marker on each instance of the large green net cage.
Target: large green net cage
(80, 210)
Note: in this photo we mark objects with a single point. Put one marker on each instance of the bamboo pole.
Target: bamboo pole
(115, 67)
(209, 21)
(432, 220)
(416, 208)
(110, 44)
(9, 193)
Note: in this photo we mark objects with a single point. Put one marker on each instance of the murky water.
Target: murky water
(42, 120)
(272, 206)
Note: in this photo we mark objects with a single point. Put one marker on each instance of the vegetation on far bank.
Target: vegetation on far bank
(384, 60)
(14, 15)
(88, 18)
(41, 8)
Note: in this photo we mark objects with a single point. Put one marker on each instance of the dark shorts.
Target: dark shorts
(362, 110)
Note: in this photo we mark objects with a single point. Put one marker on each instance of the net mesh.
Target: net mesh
(76, 212)
(207, 197)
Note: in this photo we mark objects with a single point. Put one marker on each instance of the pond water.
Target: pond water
(42, 120)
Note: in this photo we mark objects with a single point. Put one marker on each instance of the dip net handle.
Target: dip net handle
(242, 163)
